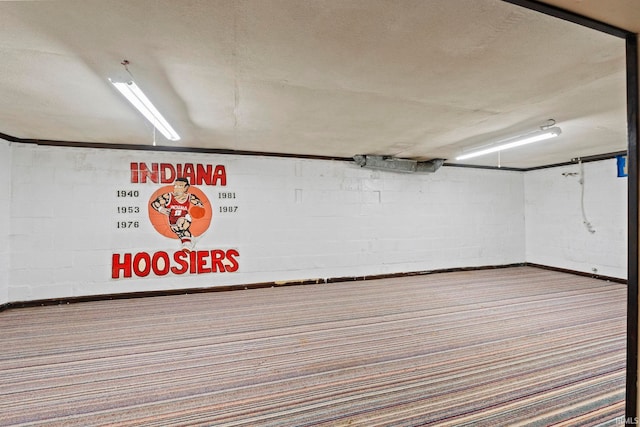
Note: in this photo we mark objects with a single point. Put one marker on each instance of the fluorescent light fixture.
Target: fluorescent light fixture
(540, 135)
(138, 99)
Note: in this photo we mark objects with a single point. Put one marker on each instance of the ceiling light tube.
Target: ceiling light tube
(540, 135)
(138, 99)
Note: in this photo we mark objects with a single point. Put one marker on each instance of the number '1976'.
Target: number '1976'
(127, 224)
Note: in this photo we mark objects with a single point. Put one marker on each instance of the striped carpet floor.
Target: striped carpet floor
(501, 347)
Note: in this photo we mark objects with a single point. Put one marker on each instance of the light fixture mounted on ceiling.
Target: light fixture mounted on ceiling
(130, 90)
(546, 132)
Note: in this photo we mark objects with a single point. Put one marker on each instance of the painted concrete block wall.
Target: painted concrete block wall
(555, 231)
(383, 222)
(280, 219)
(5, 213)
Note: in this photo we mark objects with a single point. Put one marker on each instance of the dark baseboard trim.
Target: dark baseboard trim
(146, 294)
(420, 273)
(579, 273)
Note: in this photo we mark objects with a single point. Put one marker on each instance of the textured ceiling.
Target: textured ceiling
(410, 78)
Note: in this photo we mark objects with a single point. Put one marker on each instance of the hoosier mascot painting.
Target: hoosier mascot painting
(180, 207)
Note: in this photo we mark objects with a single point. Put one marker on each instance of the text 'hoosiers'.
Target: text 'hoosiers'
(161, 263)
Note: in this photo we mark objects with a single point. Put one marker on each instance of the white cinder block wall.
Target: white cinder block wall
(5, 213)
(292, 219)
(555, 231)
(295, 219)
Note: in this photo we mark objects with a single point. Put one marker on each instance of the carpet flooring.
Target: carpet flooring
(500, 347)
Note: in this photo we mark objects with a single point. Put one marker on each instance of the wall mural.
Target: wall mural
(179, 210)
